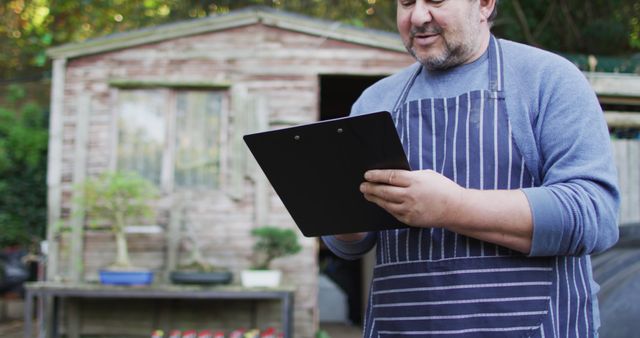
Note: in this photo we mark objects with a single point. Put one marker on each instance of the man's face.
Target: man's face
(442, 33)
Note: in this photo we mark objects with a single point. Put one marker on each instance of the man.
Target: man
(513, 186)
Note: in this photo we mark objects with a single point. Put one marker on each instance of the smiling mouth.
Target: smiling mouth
(425, 39)
(425, 35)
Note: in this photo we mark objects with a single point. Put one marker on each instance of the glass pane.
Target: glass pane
(197, 139)
(141, 132)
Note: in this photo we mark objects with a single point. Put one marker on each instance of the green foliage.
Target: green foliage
(600, 27)
(23, 156)
(29, 27)
(117, 198)
(272, 243)
(322, 334)
(199, 266)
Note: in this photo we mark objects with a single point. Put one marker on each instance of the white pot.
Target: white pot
(261, 278)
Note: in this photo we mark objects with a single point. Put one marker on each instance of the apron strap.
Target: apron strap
(496, 77)
(402, 98)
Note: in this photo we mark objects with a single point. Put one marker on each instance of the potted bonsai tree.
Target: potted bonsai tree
(272, 242)
(196, 269)
(116, 199)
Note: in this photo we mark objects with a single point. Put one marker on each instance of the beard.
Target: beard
(454, 52)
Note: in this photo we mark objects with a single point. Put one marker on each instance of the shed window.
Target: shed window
(171, 137)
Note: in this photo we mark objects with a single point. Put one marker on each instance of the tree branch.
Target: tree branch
(545, 21)
(570, 23)
(524, 25)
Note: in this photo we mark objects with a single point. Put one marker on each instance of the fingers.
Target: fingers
(384, 192)
(399, 178)
(390, 206)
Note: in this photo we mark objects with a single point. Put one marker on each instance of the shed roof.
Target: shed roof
(248, 16)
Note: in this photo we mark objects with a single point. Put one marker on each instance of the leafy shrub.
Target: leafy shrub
(23, 168)
(272, 243)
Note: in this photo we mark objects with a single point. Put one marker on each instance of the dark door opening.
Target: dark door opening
(339, 92)
(337, 95)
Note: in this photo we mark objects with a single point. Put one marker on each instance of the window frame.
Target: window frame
(170, 91)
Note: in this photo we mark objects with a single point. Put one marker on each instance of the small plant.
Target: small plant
(322, 334)
(118, 198)
(196, 261)
(272, 243)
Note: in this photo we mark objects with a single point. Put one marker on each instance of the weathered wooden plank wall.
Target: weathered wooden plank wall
(103, 317)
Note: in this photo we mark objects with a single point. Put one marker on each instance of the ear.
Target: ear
(486, 8)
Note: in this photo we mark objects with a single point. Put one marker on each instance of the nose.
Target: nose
(421, 14)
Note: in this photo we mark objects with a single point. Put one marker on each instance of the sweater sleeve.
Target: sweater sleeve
(575, 209)
(350, 250)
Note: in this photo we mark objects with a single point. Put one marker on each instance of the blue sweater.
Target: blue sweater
(560, 130)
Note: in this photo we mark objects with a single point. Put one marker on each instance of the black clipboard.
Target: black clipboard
(316, 169)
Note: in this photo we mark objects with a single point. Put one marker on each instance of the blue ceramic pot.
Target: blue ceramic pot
(136, 277)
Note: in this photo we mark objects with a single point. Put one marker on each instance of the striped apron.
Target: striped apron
(434, 282)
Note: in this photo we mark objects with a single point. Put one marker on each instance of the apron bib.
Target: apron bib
(434, 282)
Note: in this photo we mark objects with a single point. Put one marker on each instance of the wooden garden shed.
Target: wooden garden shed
(172, 102)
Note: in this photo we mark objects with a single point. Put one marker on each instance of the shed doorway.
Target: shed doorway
(339, 92)
(344, 284)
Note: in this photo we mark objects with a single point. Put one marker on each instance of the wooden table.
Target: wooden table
(54, 292)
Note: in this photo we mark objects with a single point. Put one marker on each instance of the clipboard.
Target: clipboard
(316, 169)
